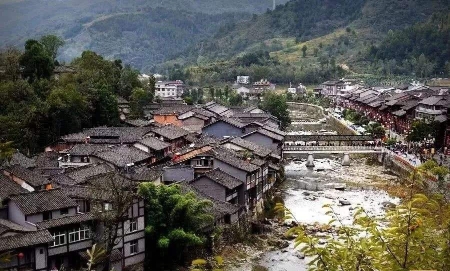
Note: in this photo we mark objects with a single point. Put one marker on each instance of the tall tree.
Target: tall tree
(276, 105)
(10, 60)
(174, 222)
(304, 49)
(52, 44)
(36, 61)
(139, 98)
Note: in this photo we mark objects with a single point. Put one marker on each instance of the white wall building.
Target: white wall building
(169, 88)
(245, 80)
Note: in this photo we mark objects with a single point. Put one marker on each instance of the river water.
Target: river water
(306, 190)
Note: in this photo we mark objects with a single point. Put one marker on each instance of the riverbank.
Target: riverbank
(305, 192)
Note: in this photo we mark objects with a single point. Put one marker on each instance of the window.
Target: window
(60, 239)
(64, 211)
(133, 225)
(134, 247)
(47, 215)
(107, 206)
(79, 234)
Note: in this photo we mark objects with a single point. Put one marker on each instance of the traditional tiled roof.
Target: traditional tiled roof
(138, 122)
(25, 240)
(9, 187)
(219, 208)
(154, 143)
(399, 113)
(27, 175)
(123, 155)
(216, 108)
(20, 159)
(233, 122)
(144, 174)
(108, 135)
(42, 201)
(9, 226)
(87, 149)
(266, 133)
(81, 174)
(170, 132)
(226, 156)
(221, 178)
(172, 110)
(67, 220)
(47, 160)
(431, 100)
(274, 130)
(255, 148)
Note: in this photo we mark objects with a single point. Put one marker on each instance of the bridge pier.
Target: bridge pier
(310, 160)
(346, 160)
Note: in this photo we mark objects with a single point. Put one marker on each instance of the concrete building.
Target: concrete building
(169, 88)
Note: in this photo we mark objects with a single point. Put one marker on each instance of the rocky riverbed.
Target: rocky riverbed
(304, 193)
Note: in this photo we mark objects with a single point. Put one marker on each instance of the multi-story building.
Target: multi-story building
(169, 88)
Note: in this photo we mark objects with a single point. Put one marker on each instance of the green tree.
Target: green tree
(139, 98)
(104, 110)
(375, 129)
(316, 52)
(10, 60)
(129, 81)
(36, 61)
(421, 129)
(67, 110)
(52, 44)
(174, 222)
(304, 49)
(235, 99)
(276, 105)
(6, 152)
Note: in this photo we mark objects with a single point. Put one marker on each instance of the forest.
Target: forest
(37, 105)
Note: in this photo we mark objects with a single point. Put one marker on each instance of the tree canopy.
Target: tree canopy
(277, 105)
(175, 221)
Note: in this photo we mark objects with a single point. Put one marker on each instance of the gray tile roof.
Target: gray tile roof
(253, 147)
(123, 155)
(9, 187)
(173, 110)
(231, 158)
(216, 108)
(108, 135)
(234, 122)
(81, 174)
(274, 130)
(67, 220)
(8, 226)
(431, 100)
(20, 159)
(25, 240)
(87, 149)
(42, 201)
(266, 133)
(170, 132)
(221, 178)
(145, 174)
(219, 208)
(30, 177)
(47, 160)
(154, 143)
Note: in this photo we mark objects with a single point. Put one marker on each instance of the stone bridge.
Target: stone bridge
(345, 150)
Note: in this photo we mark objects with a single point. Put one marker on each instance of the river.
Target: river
(306, 190)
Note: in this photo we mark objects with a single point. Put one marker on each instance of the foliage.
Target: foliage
(276, 105)
(96, 255)
(215, 264)
(412, 235)
(375, 129)
(421, 129)
(421, 49)
(36, 61)
(174, 222)
(36, 112)
(6, 152)
(138, 100)
(52, 44)
(355, 117)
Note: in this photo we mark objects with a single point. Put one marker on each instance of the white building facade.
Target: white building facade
(169, 88)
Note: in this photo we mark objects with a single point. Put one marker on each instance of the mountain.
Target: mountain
(334, 33)
(161, 28)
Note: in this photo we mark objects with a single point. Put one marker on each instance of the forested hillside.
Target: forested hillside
(312, 40)
(105, 25)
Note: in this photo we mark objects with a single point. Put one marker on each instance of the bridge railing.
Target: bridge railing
(331, 148)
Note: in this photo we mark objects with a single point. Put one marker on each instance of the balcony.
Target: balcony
(232, 196)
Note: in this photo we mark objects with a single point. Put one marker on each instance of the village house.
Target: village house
(166, 89)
